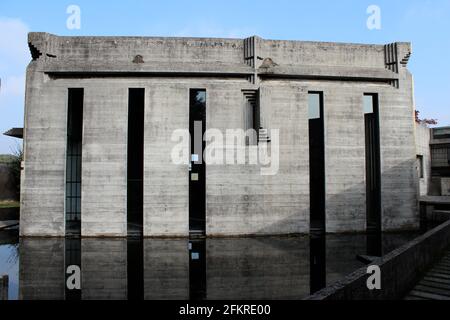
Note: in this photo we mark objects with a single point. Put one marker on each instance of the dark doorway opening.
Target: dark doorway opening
(197, 175)
(73, 161)
(197, 270)
(135, 189)
(373, 170)
(316, 162)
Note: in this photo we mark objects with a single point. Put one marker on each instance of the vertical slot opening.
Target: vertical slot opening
(73, 161)
(316, 162)
(197, 176)
(135, 170)
(373, 170)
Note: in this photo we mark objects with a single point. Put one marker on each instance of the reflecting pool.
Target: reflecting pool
(238, 269)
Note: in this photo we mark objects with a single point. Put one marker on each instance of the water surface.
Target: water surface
(241, 269)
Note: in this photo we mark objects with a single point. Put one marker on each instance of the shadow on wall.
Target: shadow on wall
(346, 211)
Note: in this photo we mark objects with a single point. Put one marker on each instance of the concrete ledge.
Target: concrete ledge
(400, 270)
(74, 68)
(329, 72)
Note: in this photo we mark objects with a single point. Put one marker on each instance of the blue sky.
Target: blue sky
(425, 23)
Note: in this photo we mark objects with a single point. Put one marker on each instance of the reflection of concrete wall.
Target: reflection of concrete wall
(7, 185)
(445, 186)
(423, 136)
(257, 268)
(341, 255)
(41, 275)
(166, 269)
(104, 269)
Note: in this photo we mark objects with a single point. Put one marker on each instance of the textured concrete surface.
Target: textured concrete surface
(445, 187)
(239, 200)
(423, 138)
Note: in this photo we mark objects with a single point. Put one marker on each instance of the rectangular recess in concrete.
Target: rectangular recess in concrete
(317, 161)
(135, 179)
(373, 167)
(73, 160)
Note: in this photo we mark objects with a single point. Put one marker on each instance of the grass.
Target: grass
(6, 158)
(9, 204)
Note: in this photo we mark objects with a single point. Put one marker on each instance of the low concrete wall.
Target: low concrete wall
(400, 270)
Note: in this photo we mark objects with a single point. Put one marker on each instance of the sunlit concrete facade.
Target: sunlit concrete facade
(239, 200)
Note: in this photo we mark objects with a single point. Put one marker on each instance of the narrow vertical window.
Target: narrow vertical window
(316, 161)
(135, 269)
(135, 171)
(197, 176)
(251, 116)
(73, 161)
(373, 170)
(420, 170)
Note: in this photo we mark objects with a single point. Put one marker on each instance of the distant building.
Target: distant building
(101, 114)
(433, 160)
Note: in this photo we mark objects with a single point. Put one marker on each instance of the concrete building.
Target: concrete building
(433, 156)
(101, 113)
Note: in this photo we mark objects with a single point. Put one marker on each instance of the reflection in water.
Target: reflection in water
(197, 270)
(72, 258)
(317, 260)
(181, 269)
(135, 269)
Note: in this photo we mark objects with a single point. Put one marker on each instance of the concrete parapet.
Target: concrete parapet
(400, 270)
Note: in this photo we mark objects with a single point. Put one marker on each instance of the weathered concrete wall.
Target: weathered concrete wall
(423, 138)
(166, 185)
(239, 199)
(322, 53)
(43, 183)
(104, 165)
(399, 181)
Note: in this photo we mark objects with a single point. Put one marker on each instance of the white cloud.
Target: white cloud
(13, 43)
(14, 57)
